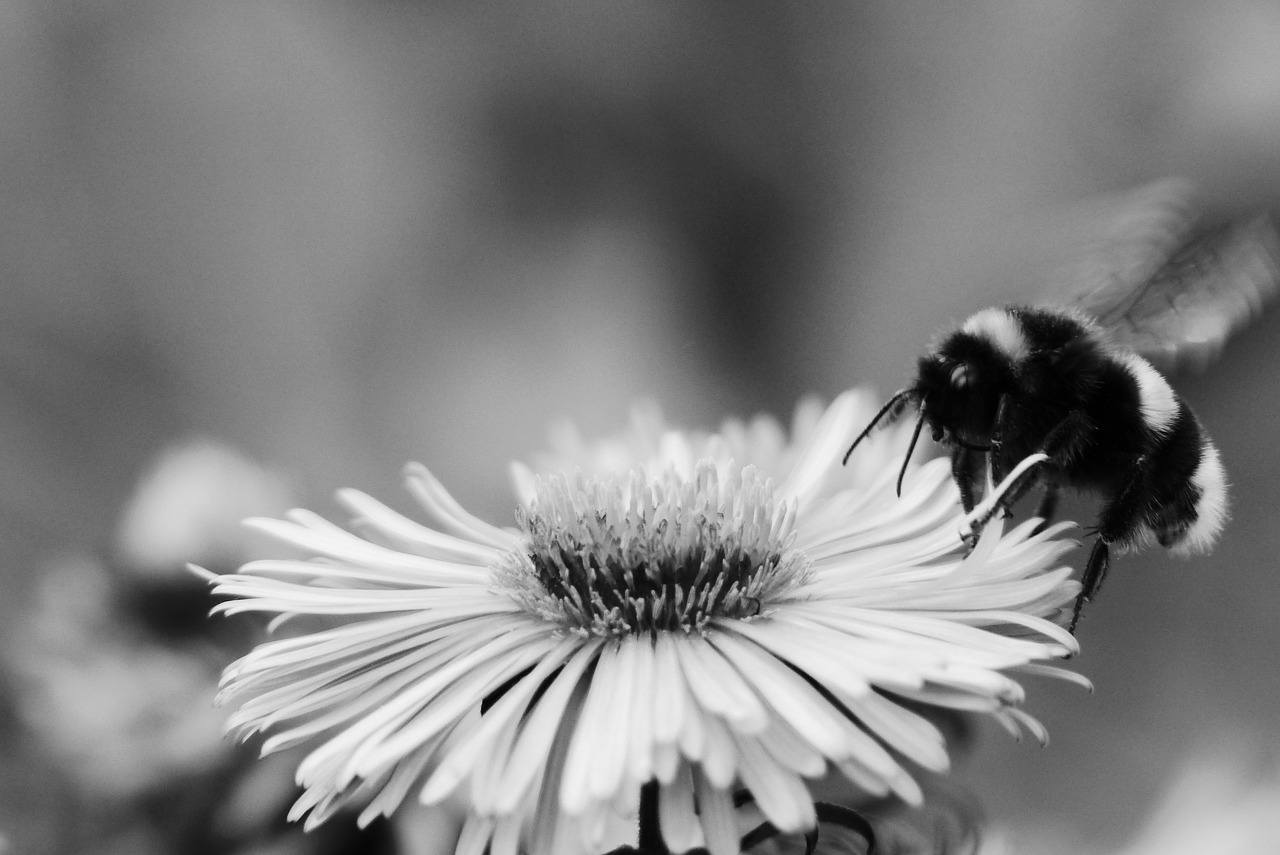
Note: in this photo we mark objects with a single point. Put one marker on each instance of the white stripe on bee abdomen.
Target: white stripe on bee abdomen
(1211, 508)
(1158, 403)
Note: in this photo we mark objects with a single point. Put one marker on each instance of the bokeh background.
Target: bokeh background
(330, 237)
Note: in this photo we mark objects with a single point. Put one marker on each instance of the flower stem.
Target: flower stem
(651, 842)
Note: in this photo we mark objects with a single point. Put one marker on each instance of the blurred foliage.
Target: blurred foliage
(344, 235)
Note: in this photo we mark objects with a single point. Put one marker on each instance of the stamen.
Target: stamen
(644, 553)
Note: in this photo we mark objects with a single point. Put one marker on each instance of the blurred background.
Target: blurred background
(284, 247)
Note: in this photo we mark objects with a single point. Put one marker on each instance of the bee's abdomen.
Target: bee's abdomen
(1185, 483)
(1196, 529)
(1159, 406)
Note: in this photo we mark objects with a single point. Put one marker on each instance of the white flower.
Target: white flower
(189, 506)
(711, 612)
(1224, 800)
(117, 714)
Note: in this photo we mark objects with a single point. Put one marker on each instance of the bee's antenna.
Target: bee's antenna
(895, 404)
(915, 435)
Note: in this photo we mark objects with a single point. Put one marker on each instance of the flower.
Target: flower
(113, 670)
(190, 503)
(713, 612)
(116, 713)
(1224, 799)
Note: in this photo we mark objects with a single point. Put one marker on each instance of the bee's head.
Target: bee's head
(959, 383)
(960, 380)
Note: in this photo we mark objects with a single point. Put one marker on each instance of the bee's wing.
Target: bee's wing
(1172, 294)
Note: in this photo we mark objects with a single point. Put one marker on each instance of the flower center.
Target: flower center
(641, 553)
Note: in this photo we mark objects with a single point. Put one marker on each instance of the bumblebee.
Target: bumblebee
(1078, 381)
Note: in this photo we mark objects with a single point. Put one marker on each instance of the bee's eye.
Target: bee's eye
(961, 377)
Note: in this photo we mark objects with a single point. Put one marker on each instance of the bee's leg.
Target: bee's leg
(1048, 504)
(998, 433)
(1094, 572)
(1062, 444)
(1068, 438)
(1001, 460)
(966, 469)
(1022, 476)
(1118, 522)
(1018, 490)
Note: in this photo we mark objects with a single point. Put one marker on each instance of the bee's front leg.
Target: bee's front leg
(966, 470)
(1026, 472)
(998, 434)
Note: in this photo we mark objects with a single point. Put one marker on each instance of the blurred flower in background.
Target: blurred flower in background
(120, 712)
(1224, 798)
(115, 671)
(191, 506)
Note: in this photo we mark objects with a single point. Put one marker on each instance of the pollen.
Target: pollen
(639, 553)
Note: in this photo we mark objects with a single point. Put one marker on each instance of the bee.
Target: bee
(1080, 381)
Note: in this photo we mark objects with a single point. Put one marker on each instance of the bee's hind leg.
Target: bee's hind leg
(1119, 522)
(1094, 572)
(1048, 505)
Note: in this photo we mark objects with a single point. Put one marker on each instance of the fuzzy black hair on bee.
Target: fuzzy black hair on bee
(1077, 384)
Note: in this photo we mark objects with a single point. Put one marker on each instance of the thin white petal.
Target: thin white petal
(680, 827)
(666, 761)
(476, 831)
(1058, 673)
(428, 705)
(908, 733)
(824, 446)
(428, 490)
(594, 742)
(795, 700)
(719, 689)
(609, 763)
(552, 827)
(717, 814)
(669, 704)
(522, 481)
(779, 792)
(391, 792)
(541, 729)
(319, 536)
(641, 723)
(505, 713)
(720, 757)
(414, 535)
(792, 750)
(1029, 722)
(350, 575)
